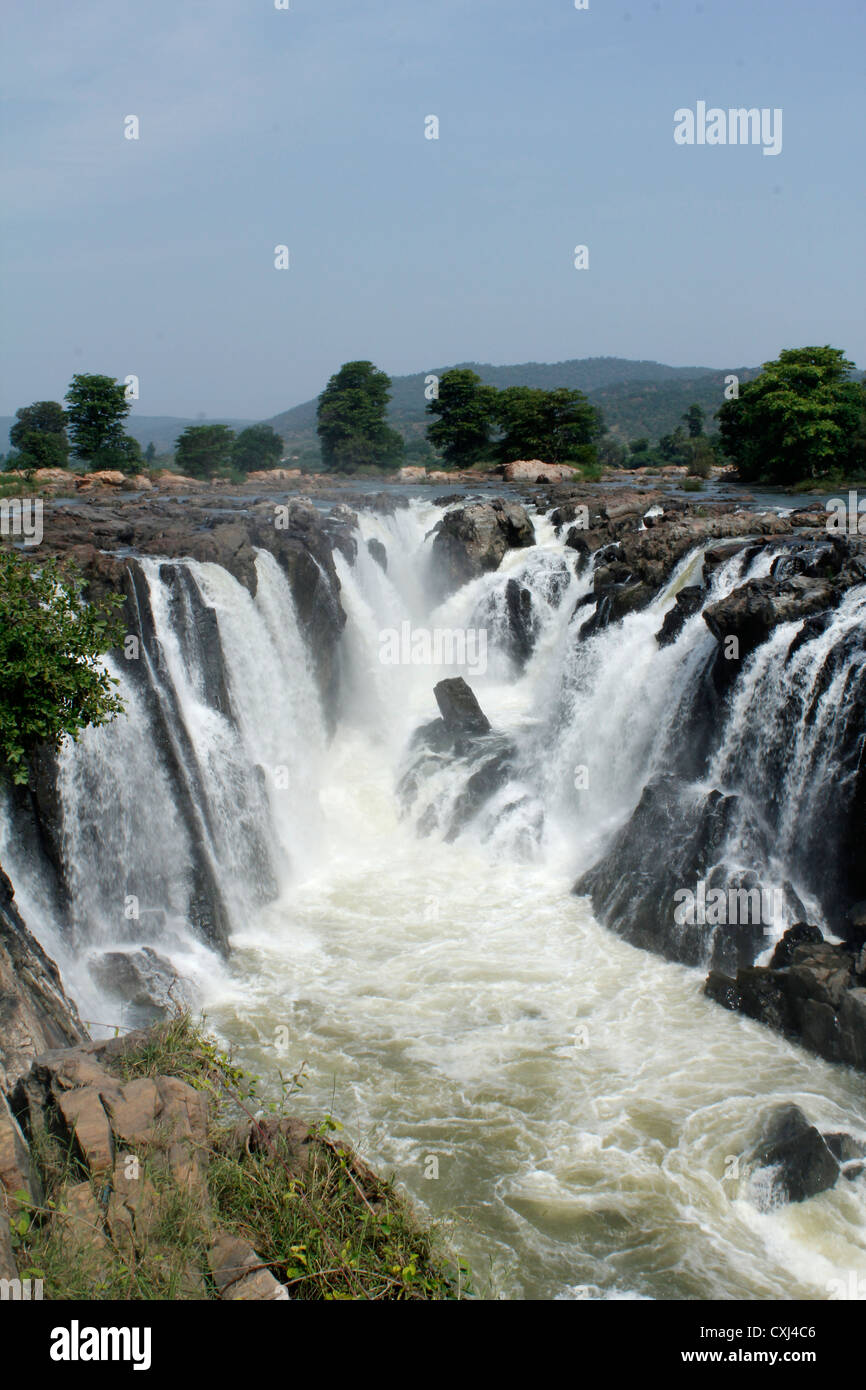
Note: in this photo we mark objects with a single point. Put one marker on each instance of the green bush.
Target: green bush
(51, 681)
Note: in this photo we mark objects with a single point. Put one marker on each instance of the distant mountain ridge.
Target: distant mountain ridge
(637, 397)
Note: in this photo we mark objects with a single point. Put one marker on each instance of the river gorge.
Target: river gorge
(455, 910)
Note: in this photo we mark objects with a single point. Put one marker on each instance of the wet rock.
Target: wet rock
(688, 602)
(143, 979)
(522, 628)
(633, 886)
(751, 611)
(472, 540)
(803, 1164)
(378, 553)
(35, 1013)
(460, 710)
(809, 992)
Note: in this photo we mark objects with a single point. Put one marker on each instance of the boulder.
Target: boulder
(378, 553)
(459, 707)
(802, 1163)
(472, 540)
(535, 471)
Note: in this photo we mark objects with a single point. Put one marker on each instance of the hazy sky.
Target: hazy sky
(306, 127)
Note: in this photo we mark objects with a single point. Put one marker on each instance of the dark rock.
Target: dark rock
(472, 540)
(459, 708)
(795, 936)
(789, 1144)
(35, 1013)
(378, 553)
(521, 622)
(844, 1147)
(688, 602)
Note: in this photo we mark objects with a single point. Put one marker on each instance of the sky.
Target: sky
(305, 127)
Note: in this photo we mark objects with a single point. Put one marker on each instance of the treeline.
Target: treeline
(472, 423)
(90, 435)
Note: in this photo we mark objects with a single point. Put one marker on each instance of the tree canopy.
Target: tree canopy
(204, 450)
(259, 446)
(351, 420)
(801, 418)
(557, 426)
(465, 410)
(96, 409)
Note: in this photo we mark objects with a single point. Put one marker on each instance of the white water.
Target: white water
(456, 1001)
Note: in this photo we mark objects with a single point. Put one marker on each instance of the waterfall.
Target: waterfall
(448, 992)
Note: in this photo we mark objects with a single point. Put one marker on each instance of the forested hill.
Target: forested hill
(636, 397)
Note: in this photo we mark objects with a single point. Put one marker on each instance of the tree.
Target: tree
(694, 418)
(201, 451)
(674, 447)
(701, 457)
(799, 419)
(557, 426)
(351, 419)
(51, 681)
(466, 411)
(39, 433)
(259, 446)
(150, 454)
(97, 408)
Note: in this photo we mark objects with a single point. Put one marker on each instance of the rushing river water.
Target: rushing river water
(572, 1107)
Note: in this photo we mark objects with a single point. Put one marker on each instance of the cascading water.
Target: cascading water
(454, 1001)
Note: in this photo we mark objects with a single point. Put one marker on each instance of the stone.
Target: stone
(237, 1272)
(84, 1113)
(459, 707)
(17, 1173)
(802, 1162)
(8, 1267)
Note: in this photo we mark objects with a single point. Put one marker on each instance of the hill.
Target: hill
(637, 397)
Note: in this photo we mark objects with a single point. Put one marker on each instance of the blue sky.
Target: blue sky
(305, 127)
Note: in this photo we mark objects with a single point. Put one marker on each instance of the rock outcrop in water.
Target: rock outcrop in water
(473, 540)
(813, 991)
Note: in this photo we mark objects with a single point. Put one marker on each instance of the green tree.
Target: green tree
(798, 419)
(639, 446)
(39, 434)
(96, 409)
(351, 420)
(612, 453)
(202, 451)
(259, 446)
(693, 418)
(51, 680)
(465, 411)
(673, 448)
(701, 457)
(150, 454)
(556, 426)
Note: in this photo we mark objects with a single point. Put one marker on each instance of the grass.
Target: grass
(315, 1214)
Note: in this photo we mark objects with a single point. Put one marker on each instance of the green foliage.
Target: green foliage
(39, 432)
(465, 411)
(693, 418)
(352, 424)
(150, 453)
(611, 452)
(205, 451)
(51, 682)
(801, 418)
(257, 447)
(556, 426)
(701, 457)
(96, 409)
